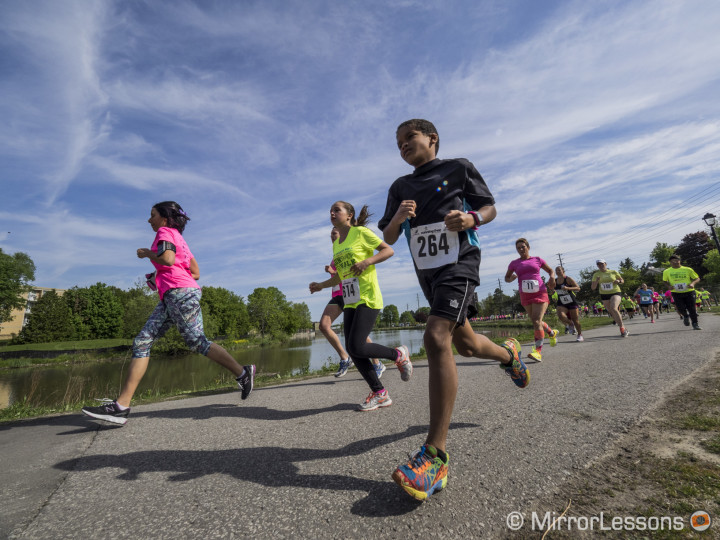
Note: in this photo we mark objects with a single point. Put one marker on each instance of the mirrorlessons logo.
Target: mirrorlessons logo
(551, 521)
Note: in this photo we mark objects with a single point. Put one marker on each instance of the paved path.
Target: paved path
(298, 461)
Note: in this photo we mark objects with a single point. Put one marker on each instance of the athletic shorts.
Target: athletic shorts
(605, 297)
(337, 301)
(569, 306)
(534, 298)
(450, 300)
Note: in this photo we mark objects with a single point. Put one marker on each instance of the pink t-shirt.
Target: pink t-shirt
(178, 275)
(528, 273)
(337, 289)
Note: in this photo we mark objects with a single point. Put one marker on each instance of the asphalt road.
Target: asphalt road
(299, 461)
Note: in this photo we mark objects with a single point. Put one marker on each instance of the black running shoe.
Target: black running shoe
(246, 381)
(686, 320)
(108, 412)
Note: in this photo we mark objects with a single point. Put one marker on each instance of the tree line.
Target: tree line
(101, 311)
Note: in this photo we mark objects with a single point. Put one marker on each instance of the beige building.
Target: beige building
(19, 316)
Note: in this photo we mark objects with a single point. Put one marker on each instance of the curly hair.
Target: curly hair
(423, 126)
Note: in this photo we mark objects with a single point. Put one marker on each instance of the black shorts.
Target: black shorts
(605, 297)
(337, 301)
(570, 306)
(450, 300)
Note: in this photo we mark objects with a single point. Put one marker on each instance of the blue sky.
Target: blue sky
(595, 124)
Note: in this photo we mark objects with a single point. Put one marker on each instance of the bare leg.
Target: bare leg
(612, 308)
(222, 357)
(562, 314)
(332, 312)
(443, 379)
(575, 318)
(136, 371)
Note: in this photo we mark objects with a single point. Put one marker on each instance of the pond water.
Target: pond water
(68, 384)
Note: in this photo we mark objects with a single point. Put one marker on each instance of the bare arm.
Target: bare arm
(384, 252)
(392, 232)
(166, 259)
(194, 269)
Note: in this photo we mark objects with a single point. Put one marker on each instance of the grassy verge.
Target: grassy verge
(667, 466)
(68, 345)
(73, 402)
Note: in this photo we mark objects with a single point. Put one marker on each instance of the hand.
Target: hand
(329, 270)
(458, 221)
(405, 210)
(359, 267)
(551, 283)
(143, 253)
(315, 287)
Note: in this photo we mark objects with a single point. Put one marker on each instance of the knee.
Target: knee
(325, 326)
(436, 341)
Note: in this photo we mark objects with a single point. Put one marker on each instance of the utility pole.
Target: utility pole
(418, 300)
(560, 259)
(499, 285)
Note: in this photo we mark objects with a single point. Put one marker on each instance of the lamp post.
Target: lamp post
(711, 222)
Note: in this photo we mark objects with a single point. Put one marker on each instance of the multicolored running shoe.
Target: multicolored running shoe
(516, 368)
(423, 475)
(403, 363)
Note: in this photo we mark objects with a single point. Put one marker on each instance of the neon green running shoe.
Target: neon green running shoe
(553, 337)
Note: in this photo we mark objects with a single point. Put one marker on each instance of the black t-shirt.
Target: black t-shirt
(438, 187)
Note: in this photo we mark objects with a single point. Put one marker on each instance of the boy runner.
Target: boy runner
(439, 207)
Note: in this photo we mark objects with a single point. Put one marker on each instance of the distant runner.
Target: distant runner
(609, 281)
(683, 279)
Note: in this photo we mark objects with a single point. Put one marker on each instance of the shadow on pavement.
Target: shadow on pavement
(272, 467)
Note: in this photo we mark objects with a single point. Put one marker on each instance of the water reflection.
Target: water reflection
(63, 384)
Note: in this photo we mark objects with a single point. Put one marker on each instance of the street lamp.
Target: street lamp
(711, 222)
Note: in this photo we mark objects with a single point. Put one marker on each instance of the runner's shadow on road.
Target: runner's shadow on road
(272, 467)
(229, 410)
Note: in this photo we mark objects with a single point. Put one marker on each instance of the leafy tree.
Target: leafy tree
(50, 320)
(297, 317)
(390, 315)
(692, 250)
(96, 310)
(266, 308)
(422, 314)
(660, 255)
(138, 302)
(627, 264)
(224, 313)
(406, 317)
(586, 294)
(16, 272)
(711, 280)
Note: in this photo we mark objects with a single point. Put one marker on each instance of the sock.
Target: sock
(241, 375)
(120, 407)
(436, 452)
(547, 328)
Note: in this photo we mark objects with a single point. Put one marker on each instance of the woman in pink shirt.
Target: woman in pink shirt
(533, 293)
(176, 272)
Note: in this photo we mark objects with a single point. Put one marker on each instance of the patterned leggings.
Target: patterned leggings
(179, 307)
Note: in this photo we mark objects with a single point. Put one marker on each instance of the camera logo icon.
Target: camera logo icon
(700, 520)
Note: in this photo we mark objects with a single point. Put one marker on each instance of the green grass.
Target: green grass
(68, 345)
(77, 387)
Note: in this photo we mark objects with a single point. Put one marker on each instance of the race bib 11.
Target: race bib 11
(530, 286)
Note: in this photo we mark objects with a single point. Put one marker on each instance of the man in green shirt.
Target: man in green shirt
(682, 280)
